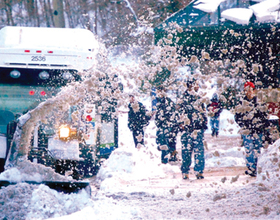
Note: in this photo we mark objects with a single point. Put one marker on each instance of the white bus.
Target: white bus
(34, 64)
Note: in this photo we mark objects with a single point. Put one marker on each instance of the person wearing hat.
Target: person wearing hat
(214, 110)
(193, 124)
(252, 118)
(138, 118)
(166, 117)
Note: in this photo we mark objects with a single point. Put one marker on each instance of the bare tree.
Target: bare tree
(46, 12)
(8, 9)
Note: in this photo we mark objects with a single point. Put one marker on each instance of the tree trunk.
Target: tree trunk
(68, 13)
(58, 13)
(8, 9)
(46, 13)
(36, 14)
(50, 11)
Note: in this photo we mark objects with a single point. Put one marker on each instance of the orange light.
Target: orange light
(31, 92)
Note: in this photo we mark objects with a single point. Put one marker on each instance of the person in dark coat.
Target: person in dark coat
(166, 120)
(252, 118)
(214, 111)
(193, 124)
(138, 118)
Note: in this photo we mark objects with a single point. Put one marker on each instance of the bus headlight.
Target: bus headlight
(67, 76)
(66, 132)
(15, 74)
(44, 75)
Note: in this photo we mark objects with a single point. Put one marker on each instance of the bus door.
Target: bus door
(5, 118)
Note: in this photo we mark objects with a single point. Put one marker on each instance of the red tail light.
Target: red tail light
(27, 51)
(43, 93)
(31, 92)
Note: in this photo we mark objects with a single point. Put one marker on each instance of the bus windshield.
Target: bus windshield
(21, 98)
(18, 98)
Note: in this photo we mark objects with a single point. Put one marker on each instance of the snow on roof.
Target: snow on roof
(265, 6)
(238, 15)
(264, 11)
(208, 6)
(267, 16)
(53, 37)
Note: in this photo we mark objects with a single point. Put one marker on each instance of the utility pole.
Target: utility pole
(58, 15)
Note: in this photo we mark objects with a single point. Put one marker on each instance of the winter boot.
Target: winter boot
(174, 156)
(199, 176)
(217, 133)
(250, 173)
(185, 176)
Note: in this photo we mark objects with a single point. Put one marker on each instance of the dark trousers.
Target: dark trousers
(138, 137)
(163, 141)
(192, 143)
(252, 144)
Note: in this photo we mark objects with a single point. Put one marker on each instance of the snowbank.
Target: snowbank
(131, 164)
(28, 171)
(269, 165)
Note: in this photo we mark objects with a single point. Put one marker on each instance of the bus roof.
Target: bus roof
(66, 38)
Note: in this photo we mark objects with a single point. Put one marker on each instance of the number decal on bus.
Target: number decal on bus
(38, 58)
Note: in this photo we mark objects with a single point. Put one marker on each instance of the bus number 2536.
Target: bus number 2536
(38, 58)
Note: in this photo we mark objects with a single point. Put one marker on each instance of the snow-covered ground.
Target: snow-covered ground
(133, 184)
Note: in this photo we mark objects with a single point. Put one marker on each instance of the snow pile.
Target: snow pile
(28, 171)
(269, 165)
(102, 208)
(27, 201)
(131, 164)
(225, 158)
(46, 203)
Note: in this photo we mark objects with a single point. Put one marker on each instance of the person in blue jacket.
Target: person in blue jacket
(166, 121)
(138, 118)
(193, 124)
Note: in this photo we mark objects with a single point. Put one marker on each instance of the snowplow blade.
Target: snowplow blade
(66, 187)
